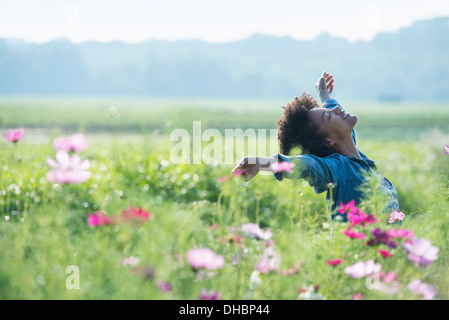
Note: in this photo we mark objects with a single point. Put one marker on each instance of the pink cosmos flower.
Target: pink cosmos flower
(130, 261)
(68, 169)
(355, 215)
(237, 173)
(349, 207)
(334, 262)
(447, 149)
(354, 234)
(209, 295)
(284, 166)
(223, 179)
(357, 296)
(164, 286)
(421, 252)
(254, 231)
(99, 219)
(76, 142)
(136, 214)
(15, 135)
(384, 253)
(204, 258)
(233, 175)
(362, 269)
(425, 290)
(401, 233)
(396, 216)
(387, 278)
(270, 261)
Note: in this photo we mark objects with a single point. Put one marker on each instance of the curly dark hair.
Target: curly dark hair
(295, 129)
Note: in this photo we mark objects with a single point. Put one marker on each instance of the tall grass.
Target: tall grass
(44, 229)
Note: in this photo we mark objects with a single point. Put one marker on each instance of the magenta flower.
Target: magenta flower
(396, 216)
(254, 231)
(99, 219)
(421, 252)
(354, 234)
(362, 269)
(68, 169)
(334, 262)
(447, 149)
(349, 207)
(384, 253)
(209, 295)
(425, 290)
(136, 214)
(270, 261)
(204, 258)
(355, 215)
(285, 166)
(237, 173)
(76, 142)
(14, 136)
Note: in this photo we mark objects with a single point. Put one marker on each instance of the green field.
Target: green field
(44, 226)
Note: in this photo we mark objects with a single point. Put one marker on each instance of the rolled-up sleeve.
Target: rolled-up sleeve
(318, 172)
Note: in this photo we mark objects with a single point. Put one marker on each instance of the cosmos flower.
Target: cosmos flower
(68, 169)
(396, 216)
(381, 237)
(76, 143)
(284, 166)
(270, 261)
(384, 253)
(447, 149)
(99, 219)
(425, 290)
(362, 269)
(253, 231)
(421, 252)
(401, 233)
(223, 179)
(164, 286)
(204, 258)
(136, 214)
(334, 262)
(209, 295)
(349, 207)
(354, 234)
(130, 261)
(14, 136)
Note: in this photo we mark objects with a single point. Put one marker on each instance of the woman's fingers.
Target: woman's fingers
(330, 86)
(237, 168)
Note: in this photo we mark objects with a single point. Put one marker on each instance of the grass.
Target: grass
(44, 229)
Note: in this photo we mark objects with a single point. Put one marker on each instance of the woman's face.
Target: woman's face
(334, 123)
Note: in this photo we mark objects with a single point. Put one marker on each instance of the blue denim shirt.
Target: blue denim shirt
(345, 173)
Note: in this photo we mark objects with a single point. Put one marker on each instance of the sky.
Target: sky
(210, 20)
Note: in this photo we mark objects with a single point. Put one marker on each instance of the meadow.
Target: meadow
(128, 231)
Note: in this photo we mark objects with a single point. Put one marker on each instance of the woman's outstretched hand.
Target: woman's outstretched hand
(324, 86)
(249, 166)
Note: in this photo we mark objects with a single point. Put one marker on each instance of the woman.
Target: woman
(326, 136)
